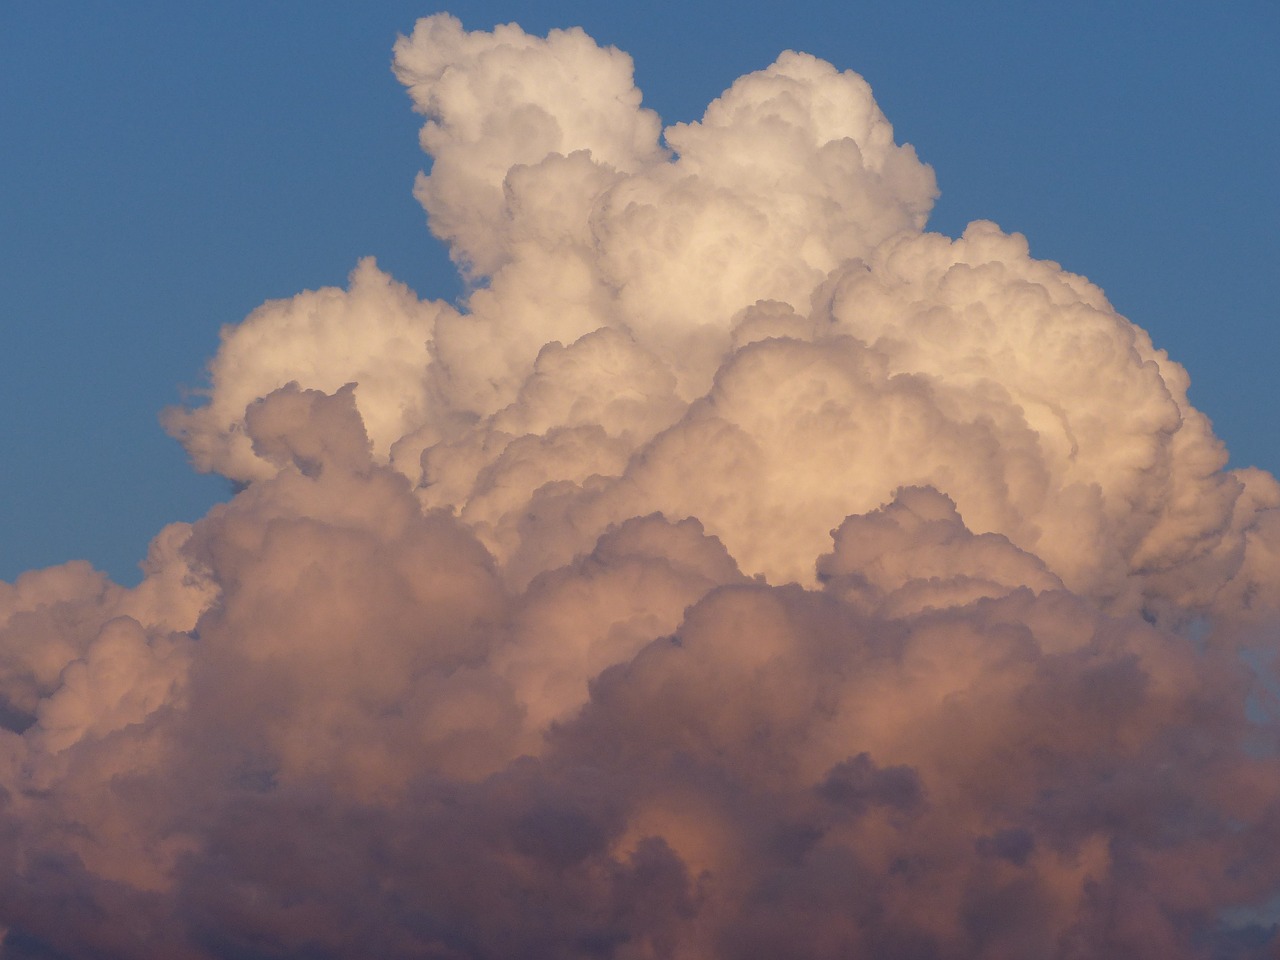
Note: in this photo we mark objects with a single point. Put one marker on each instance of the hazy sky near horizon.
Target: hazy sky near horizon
(167, 168)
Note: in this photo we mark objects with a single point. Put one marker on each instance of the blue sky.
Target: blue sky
(168, 167)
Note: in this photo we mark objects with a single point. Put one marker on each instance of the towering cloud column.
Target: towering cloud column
(739, 571)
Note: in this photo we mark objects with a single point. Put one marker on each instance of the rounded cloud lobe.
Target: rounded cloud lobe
(740, 571)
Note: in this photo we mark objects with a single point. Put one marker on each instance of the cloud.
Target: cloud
(375, 333)
(739, 571)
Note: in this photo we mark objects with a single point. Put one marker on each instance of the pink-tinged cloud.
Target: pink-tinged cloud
(741, 571)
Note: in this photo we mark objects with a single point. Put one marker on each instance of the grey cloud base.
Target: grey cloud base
(742, 571)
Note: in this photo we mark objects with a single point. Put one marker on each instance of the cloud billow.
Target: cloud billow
(741, 570)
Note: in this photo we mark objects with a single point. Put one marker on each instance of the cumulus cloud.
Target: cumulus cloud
(740, 570)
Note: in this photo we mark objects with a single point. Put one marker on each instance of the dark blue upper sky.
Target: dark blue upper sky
(167, 167)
